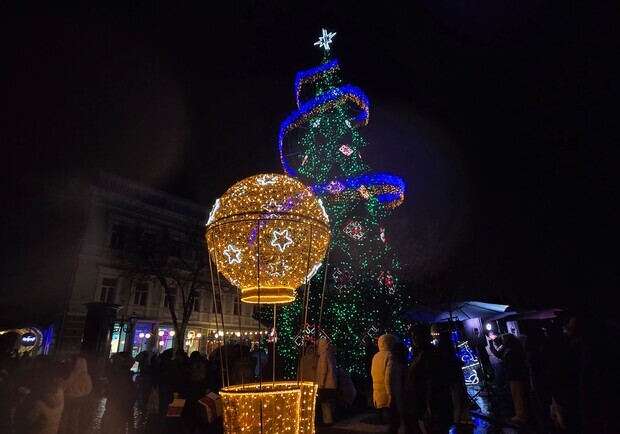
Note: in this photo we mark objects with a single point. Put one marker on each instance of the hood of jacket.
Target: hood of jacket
(386, 342)
(322, 346)
(79, 382)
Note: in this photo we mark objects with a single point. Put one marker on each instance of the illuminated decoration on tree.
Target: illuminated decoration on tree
(345, 150)
(320, 143)
(343, 280)
(382, 235)
(388, 282)
(269, 255)
(325, 40)
(335, 187)
(310, 333)
(355, 230)
(371, 333)
(364, 192)
(387, 189)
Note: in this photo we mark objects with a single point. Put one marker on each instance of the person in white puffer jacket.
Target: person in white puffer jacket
(386, 372)
(326, 379)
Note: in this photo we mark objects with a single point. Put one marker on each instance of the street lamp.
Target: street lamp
(142, 336)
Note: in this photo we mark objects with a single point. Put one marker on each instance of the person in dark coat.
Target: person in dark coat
(427, 389)
(197, 385)
(121, 393)
(452, 368)
(517, 376)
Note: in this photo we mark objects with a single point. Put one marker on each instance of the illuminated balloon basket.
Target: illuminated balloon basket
(272, 407)
(268, 235)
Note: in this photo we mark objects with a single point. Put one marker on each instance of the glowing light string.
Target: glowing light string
(312, 75)
(321, 104)
(388, 189)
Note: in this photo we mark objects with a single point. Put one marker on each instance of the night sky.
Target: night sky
(502, 118)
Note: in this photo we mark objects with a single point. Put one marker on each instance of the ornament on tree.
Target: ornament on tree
(343, 280)
(345, 150)
(382, 235)
(309, 334)
(355, 230)
(388, 282)
(370, 334)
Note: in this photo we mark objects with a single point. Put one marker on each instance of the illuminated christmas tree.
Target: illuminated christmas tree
(321, 146)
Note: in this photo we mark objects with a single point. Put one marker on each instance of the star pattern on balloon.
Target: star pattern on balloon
(273, 206)
(266, 180)
(233, 254)
(240, 191)
(325, 39)
(216, 206)
(313, 271)
(281, 239)
(323, 210)
(278, 269)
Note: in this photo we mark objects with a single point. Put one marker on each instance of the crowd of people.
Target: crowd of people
(43, 396)
(138, 394)
(424, 395)
(40, 396)
(560, 378)
(554, 377)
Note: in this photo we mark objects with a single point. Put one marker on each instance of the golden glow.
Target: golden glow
(269, 408)
(266, 234)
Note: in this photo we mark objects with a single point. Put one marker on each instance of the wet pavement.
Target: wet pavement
(488, 416)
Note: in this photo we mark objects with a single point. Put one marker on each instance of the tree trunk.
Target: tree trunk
(180, 336)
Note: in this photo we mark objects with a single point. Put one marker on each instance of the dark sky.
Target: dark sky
(500, 116)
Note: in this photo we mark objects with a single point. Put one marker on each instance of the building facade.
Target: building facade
(122, 213)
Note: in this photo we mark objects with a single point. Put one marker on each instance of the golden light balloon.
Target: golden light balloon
(267, 235)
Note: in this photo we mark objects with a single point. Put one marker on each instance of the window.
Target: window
(108, 290)
(142, 290)
(217, 304)
(149, 240)
(175, 249)
(118, 237)
(170, 298)
(197, 302)
(235, 305)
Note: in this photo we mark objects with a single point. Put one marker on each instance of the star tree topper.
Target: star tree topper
(325, 40)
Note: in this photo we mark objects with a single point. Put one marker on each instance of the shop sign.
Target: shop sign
(28, 339)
